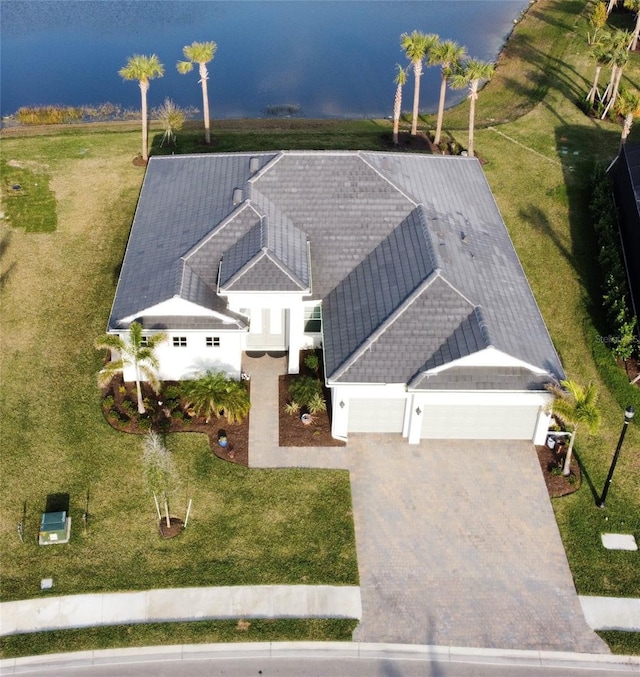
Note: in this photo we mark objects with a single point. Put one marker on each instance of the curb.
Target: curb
(347, 650)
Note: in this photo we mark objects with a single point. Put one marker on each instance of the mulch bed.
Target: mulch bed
(293, 432)
(123, 415)
(551, 462)
(176, 526)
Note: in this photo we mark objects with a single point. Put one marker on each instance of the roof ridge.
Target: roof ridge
(395, 185)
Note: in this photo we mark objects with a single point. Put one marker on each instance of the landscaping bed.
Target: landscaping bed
(120, 410)
(551, 462)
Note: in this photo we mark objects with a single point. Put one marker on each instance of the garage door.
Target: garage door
(376, 416)
(479, 423)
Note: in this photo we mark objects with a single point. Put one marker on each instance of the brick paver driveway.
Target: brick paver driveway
(458, 545)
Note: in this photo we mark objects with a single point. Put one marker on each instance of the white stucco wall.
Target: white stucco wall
(178, 363)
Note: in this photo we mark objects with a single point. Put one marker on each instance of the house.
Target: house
(398, 265)
(625, 173)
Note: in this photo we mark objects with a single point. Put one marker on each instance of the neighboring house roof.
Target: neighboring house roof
(408, 254)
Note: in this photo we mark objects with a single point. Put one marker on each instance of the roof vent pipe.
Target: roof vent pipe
(237, 196)
(254, 165)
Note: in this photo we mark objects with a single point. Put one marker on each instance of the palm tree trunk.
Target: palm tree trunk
(566, 469)
(204, 76)
(472, 116)
(607, 92)
(397, 109)
(636, 32)
(443, 93)
(626, 128)
(611, 5)
(417, 73)
(591, 96)
(144, 87)
(141, 409)
(614, 93)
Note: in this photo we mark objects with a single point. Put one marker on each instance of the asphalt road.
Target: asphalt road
(146, 666)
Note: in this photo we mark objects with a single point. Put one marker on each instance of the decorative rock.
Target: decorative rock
(46, 584)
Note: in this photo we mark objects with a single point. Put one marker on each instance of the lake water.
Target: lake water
(332, 58)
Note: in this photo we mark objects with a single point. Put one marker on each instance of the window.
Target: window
(212, 341)
(144, 342)
(313, 319)
(179, 341)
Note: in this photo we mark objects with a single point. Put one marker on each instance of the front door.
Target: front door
(267, 330)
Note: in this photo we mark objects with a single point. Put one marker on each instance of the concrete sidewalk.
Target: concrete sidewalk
(179, 604)
(612, 613)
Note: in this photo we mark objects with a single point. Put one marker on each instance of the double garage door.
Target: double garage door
(446, 422)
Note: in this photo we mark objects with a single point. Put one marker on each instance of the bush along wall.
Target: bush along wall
(615, 291)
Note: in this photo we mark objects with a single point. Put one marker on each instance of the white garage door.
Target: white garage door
(376, 416)
(479, 423)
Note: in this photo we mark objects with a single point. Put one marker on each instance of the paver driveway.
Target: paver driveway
(458, 545)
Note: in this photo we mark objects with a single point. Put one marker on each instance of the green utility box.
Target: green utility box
(55, 527)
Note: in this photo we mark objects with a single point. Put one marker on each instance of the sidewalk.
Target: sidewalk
(612, 613)
(179, 604)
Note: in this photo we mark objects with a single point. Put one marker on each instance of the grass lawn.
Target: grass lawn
(246, 526)
(290, 526)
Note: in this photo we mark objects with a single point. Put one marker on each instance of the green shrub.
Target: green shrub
(291, 408)
(129, 407)
(615, 293)
(303, 389)
(317, 404)
(108, 401)
(312, 362)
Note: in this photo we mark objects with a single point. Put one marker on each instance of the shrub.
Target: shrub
(214, 394)
(108, 401)
(303, 389)
(291, 408)
(312, 362)
(317, 404)
(615, 293)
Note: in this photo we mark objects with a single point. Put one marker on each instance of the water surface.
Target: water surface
(332, 58)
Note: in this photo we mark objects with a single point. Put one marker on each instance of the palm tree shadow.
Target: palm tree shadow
(533, 215)
(4, 246)
(585, 473)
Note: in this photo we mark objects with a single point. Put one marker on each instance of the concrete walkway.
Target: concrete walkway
(612, 613)
(180, 604)
(264, 451)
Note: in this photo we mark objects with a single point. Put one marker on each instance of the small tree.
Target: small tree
(172, 118)
(598, 21)
(575, 406)
(160, 472)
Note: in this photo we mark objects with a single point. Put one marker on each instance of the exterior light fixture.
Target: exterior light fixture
(629, 413)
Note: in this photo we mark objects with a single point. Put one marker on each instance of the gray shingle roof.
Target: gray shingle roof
(409, 254)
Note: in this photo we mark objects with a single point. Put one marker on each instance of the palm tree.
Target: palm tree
(200, 53)
(213, 395)
(574, 406)
(143, 68)
(620, 58)
(446, 54)
(611, 5)
(628, 105)
(470, 75)
(634, 6)
(136, 351)
(417, 46)
(400, 80)
(600, 53)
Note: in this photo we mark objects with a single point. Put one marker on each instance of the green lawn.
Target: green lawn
(539, 151)
(262, 526)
